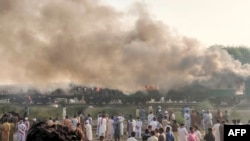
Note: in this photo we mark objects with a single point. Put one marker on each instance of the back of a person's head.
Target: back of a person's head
(167, 129)
(196, 127)
(152, 133)
(42, 132)
(146, 131)
(39, 132)
(161, 130)
(191, 129)
(133, 134)
(210, 129)
(101, 138)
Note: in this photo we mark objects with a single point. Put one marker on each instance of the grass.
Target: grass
(42, 112)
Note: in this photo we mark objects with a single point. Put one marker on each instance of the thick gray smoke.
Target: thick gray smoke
(82, 41)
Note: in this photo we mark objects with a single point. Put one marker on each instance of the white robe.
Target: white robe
(150, 118)
(89, 135)
(187, 120)
(182, 134)
(216, 129)
(103, 127)
(98, 125)
(154, 124)
(121, 120)
(138, 127)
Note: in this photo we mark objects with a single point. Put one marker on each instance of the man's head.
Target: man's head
(132, 134)
(101, 138)
(41, 131)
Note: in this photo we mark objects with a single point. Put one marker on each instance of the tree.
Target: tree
(241, 53)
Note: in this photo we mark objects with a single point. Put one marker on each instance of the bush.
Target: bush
(204, 105)
(234, 114)
(179, 117)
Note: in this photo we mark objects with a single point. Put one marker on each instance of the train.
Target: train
(98, 96)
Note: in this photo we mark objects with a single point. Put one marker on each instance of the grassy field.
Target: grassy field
(43, 112)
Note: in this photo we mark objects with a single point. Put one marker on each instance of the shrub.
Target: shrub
(234, 114)
(179, 118)
(204, 105)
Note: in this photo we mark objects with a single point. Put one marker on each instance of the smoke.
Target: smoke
(84, 42)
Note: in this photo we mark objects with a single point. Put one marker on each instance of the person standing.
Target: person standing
(21, 128)
(182, 133)
(222, 130)
(98, 123)
(192, 136)
(110, 128)
(208, 120)
(90, 119)
(197, 133)
(27, 125)
(169, 135)
(142, 114)
(164, 123)
(152, 137)
(209, 136)
(74, 121)
(12, 129)
(162, 136)
(138, 128)
(132, 137)
(175, 127)
(131, 123)
(187, 119)
(150, 117)
(121, 120)
(137, 112)
(88, 131)
(154, 123)
(117, 130)
(216, 129)
(5, 130)
(146, 135)
(103, 126)
(67, 122)
(226, 116)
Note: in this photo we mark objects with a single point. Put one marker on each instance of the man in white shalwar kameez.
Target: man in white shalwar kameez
(182, 133)
(88, 130)
(98, 124)
(208, 120)
(150, 117)
(121, 120)
(138, 127)
(103, 126)
(110, 129)
(131, 123)
(154, 123)
(216, 129)
(187, 119)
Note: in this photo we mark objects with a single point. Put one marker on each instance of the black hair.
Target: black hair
(41, 131)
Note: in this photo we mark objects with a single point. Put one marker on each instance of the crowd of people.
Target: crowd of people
(151, 126)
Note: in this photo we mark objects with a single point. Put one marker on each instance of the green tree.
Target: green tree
(241, 53)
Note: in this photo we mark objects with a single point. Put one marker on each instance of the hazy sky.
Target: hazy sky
(225, 22)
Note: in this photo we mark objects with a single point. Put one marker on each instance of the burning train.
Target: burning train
(81, 94)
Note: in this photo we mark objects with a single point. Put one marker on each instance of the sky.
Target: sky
(223, 22)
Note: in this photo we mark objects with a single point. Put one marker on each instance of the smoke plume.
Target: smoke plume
(85, 42)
